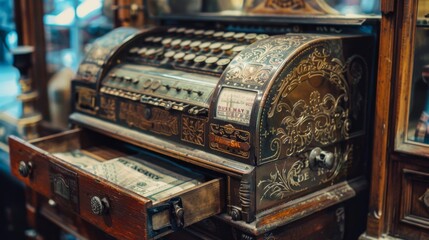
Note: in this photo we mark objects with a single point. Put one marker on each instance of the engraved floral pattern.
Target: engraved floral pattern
(320, 117)
(281, 182)
(319, 63)
(316, 121)
(193, 130)
(259, 63)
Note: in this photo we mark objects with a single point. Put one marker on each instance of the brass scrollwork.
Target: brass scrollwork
(257, 64)
(193, 130)
(322, 117)
(282, 182)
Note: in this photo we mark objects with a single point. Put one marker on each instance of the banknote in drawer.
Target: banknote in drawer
(114, 185)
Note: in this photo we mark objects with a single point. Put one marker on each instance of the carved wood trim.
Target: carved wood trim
(406, 215)
(376, 217)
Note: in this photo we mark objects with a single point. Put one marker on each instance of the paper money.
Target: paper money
(133, 173)
(145, 178)
(77, 158)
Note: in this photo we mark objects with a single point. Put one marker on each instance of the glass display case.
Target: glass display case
(413, 127)
(70, 25)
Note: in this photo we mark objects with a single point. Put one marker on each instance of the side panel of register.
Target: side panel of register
(307, 95)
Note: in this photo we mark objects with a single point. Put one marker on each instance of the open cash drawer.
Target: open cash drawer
(116, 186)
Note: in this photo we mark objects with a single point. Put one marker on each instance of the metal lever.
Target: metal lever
(321, 159)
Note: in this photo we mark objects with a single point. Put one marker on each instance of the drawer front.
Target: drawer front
(415, 198)
(117, 211)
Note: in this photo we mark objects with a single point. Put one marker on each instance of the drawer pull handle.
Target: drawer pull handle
(179, 214)
(24, 168)
(321, 159)
(99, 206)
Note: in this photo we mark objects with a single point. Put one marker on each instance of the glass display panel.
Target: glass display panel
(418, 119)
(70, 25)
(250, 7)
(235, 105)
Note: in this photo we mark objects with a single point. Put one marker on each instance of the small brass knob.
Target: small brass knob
(99, 206)
(24, 169)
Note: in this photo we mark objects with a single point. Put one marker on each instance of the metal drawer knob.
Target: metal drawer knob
(321, 159)
(24, 168)
(99, 206)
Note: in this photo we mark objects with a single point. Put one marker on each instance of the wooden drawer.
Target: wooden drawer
(415, 198)
(116, 210)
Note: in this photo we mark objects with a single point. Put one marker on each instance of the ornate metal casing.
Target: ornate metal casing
(285, 116)
(296, 107)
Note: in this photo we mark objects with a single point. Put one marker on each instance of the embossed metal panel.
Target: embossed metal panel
(64, 186)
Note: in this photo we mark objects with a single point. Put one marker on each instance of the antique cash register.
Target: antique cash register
(250, 122)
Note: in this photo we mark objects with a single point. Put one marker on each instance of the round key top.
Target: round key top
(169, 54)
(211, 60)
(195, 45)
(189, 57)
(209, 33)
(215, 46)
(199, 32)
(200, 59)
(185, 44)
(167, 41)
(150, 52)
(227, 47)
(171, 30)
(205, 45)
(250, 37)
(142, 51)
(179, 56)
(223, 62)
(239, 48)
(228, 35)
(218, 34)
(239, 36)
(148, 39)
(189, 31)
(157, 39)
(180, 30)
(261, 36)
(176, 43)
(134, 50)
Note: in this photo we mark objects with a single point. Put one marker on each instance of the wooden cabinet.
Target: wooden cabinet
(399, 205)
